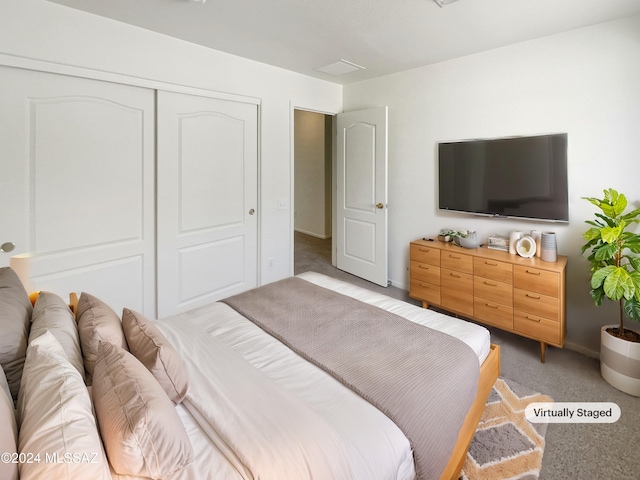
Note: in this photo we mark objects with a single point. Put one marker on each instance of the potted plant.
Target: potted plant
(615, 274)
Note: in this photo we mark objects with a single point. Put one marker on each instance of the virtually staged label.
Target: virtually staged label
(572, 412)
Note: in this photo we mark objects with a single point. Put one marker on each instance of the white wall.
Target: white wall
(585, 82)
(36, 30)
(312, 191)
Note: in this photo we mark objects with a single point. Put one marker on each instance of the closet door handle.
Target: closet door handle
(7, 247)
(252, 211)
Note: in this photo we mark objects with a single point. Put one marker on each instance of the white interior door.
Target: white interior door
(361, 224)
(77, 185)
(207, 200)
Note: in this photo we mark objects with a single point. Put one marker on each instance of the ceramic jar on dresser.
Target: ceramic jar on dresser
(525, 296)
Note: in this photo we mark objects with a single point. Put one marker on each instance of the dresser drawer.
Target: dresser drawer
(493, 313)
(491, 269)
(425, 291)
(536, 280)
(456, 302)
(536, 327)
(457, 261)
(458, 281)
(422, 254)
(493, 291)
(425, 272)
(457, 291)
(536, 304)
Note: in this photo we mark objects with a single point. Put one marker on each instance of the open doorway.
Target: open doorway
(313, 179)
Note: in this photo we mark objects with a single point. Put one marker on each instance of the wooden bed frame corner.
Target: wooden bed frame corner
(489, 372)
(73, 303)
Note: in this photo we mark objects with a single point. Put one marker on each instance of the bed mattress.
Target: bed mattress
(370, 444)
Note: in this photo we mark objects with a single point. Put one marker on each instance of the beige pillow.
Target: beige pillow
(152, 348)
(56, 420)
(141, 430)
(97, 322)
(9, 431)
(53, 314)
(15, 314)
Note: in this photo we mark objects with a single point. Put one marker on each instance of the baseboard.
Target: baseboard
(581, 349)
(400, 285)
(312, 234)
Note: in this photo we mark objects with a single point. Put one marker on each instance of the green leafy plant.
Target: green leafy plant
(614, 256)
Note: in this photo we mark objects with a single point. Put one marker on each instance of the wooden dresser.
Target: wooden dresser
(525, 296)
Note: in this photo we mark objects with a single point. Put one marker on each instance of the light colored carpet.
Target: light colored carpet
(506, 445)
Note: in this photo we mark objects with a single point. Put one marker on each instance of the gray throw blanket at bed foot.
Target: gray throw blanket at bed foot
(422, 379)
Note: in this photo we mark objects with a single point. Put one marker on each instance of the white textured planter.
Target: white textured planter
(620, 362)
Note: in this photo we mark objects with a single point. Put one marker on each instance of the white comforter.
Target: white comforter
(256, 410)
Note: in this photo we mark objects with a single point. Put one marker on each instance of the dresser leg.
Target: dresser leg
(543, 350)
(425, 304)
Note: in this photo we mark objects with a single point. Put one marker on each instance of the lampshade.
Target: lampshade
(21, 264)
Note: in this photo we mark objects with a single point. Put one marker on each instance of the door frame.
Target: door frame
(293, 106)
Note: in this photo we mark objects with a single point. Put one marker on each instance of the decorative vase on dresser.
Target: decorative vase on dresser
(525, 296)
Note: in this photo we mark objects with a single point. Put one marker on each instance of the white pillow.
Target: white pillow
(55, 416)
(53, 314)
(9, 432)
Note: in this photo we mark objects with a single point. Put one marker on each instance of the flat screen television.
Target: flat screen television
(516, 177)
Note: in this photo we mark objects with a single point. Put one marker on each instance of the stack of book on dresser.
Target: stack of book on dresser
(496, 242)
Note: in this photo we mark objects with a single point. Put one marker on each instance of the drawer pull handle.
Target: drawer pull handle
(535, 297)
(424, 267)
(491, 305)
(490, 284)
(425, 285)
(532, 273)
(455, 257)
(491, 264)
(454, 275)
(532, 319)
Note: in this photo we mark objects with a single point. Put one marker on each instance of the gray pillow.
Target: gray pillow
(53, 314)
(15, 315)
(9, 431)
(97, 322)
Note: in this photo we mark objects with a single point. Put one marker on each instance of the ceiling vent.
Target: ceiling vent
(339, 68)
(442, 3)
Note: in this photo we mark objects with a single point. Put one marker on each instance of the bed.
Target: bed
(253, 406)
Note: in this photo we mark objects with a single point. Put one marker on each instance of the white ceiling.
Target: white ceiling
(384, 36)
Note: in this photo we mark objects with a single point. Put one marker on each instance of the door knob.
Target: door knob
(379, 205)
(252, 211)
(7, 247)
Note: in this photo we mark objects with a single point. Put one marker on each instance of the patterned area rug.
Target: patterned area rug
(506, 445)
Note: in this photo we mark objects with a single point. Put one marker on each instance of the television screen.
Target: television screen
(522, 177)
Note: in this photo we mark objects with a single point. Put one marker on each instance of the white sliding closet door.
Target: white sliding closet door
(207, 200)
(77, 184)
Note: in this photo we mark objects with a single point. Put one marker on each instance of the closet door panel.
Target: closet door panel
(78, 199)
(207, 200)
